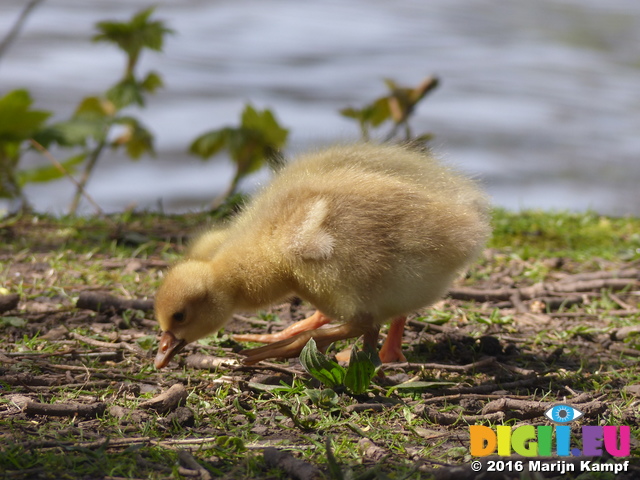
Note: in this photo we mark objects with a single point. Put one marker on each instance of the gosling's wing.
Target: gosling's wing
(308, 238)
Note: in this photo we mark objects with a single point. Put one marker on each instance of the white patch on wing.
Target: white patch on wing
(311, 240)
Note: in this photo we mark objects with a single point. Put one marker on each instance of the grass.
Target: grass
(236, 413)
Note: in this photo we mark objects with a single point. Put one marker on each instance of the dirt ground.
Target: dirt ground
(76, 378)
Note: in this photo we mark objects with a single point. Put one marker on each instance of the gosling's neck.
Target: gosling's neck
(254, 280)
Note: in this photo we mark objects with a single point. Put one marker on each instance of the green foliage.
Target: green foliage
(363, 365)
(97, 122)
(257, 141)
(132, 38)
(321, 367)
(397, 107)
(581, 236)
(18, 123)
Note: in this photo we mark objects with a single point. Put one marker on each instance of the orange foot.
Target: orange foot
(315, 321)
(391, 350)
(291, 347)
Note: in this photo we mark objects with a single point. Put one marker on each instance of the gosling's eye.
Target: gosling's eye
(178, 317)
(563, 413)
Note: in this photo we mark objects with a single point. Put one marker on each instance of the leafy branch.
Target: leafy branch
(397, 107)
(363, 365)
(257, 141)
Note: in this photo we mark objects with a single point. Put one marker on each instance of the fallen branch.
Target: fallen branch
(295, 468)
(484, 363)
(168, 400)
(624, 332)
(65, 409)
(9, 302)
(441, 418)
(102, 302)
(191, 465)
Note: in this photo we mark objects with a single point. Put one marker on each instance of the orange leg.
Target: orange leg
(292, 347)
(391, 350)
(315, 321)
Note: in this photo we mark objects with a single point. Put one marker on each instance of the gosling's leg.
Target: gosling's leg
(370, 339)
(391, 350)
(292, 347)
(315, 321)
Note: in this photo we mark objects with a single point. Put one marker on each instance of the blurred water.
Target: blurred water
(541, 100)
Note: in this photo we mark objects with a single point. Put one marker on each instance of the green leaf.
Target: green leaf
(49, 172)
(362, 367)
(152, 82)
(210, 143)
(136, 139)
(17, 121)
(126, 92)
(17, 322)
(76, 131)
(133, 36)
(321, 367)
(265, 122)
(94, 108)
(327, 399)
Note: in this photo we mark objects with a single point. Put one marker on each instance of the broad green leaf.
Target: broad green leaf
(321, 367)
(362, 367)
(230, 443)
(265, 123)
(136, 139)
(134, 35)
(17, 121)
(326, 398)
(94, 107)
(17, 322)
(210, 143)
(152, 82)
(76, 131)
(49, 172)
(126, 92)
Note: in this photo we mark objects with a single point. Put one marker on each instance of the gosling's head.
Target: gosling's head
(190, 304)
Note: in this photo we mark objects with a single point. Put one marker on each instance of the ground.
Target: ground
(549, 315)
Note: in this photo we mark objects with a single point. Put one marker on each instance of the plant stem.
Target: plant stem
(59, 166)
(80, 186)
(15, 30)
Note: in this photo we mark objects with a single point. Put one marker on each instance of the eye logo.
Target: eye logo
(563, 413)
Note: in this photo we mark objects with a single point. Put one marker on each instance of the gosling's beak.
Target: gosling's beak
(169, 346)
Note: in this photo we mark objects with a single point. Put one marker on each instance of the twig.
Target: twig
(100, 302)
(80, 188)
(65, 409)
(168, 400)
(15, 30)
(435, 416)
(540, 289)
(98, 343)
(80, 191)
(485, 362)
(188, 461)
